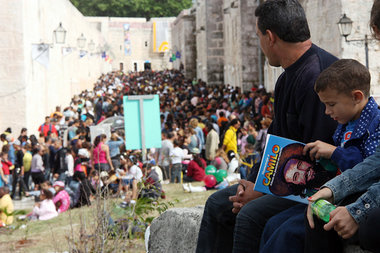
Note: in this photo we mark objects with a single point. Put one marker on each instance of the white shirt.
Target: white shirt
(134, 172)
(177, 155)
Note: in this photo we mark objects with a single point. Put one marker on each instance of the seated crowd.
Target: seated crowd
(201, 126)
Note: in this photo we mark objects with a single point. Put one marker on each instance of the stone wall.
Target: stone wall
(183, 39)
(201, 40)
(209, 39)
(242, 66)
(141, 38)
(28, 90)
(323, 17)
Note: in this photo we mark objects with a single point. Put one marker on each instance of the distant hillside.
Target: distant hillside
(132, 8)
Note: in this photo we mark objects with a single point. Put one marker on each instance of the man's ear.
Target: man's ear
(272, 37)
(358, 96)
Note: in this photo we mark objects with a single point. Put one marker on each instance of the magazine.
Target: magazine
(286, 172)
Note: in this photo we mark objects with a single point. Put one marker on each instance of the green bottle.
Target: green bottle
(322, 208)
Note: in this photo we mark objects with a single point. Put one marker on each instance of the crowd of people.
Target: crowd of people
(319, 100)
(201, 125)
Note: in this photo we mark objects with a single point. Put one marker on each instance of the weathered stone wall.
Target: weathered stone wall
(209, 39)
(241, 45)
(232, 34)
(215, 44)
(183, 39)
(28, 90)
(201, 40)
(323, 16)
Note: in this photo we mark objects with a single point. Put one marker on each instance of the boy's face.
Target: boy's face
(341, 107)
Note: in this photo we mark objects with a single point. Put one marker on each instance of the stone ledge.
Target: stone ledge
(176, 230)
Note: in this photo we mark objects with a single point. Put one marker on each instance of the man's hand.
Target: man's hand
(326, 194)
(244, 194)
(342, 222)
(319, 149)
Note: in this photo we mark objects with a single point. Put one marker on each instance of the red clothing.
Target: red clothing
(266, 111)
(195, 171)
(45, 128)
(6, 166)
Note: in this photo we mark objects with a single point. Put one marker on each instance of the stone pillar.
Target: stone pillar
(183, 39)
(210, 45)
(241, 46)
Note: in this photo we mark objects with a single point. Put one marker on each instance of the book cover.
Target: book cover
(286, 172)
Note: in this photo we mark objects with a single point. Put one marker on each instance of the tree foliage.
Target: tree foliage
(131, 8)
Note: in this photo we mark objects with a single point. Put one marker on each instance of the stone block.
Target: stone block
(176, 230)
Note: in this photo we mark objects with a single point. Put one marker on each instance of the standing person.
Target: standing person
(37, 166)
(194, 124)
(164, 160)
(47, 128)
(27, 161)
(18, 171)
(24, 132)
(299, 115)
(100, 155)
(6, 165)
(212, 142)
(177, 155)
(59, 166)
(230, 137)
(114, 145)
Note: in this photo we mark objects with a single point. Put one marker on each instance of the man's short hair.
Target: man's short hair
(170, 135)
(234, 121)
(286, 18)
(344, 76)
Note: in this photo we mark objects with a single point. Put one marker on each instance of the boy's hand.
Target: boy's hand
(326, 194)
(342, 222)
(319, 149)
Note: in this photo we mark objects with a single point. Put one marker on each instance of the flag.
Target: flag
(178, 55)
(66, 50)
(82, 53)
(40, 54)
(161, 36)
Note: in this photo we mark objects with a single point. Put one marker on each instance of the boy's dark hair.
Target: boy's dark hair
(375, 16)
(344, 76)
(285, 18)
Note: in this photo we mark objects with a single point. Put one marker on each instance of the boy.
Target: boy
(363, 177)
(344, 89)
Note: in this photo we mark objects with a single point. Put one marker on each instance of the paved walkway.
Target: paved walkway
(25, 203)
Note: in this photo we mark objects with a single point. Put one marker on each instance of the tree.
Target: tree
(132, 8)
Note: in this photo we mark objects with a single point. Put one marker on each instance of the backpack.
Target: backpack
(42, 128)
